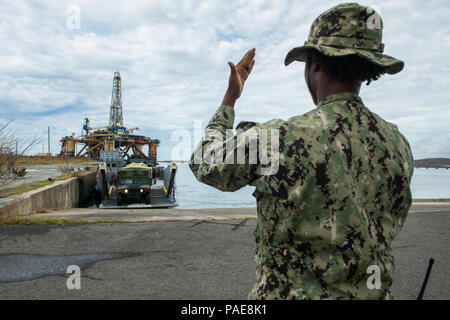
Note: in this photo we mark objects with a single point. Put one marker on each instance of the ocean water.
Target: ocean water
(190, 193)
(430, 183)
(426, 183)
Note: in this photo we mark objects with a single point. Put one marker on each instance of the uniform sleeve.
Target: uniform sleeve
(225, 160)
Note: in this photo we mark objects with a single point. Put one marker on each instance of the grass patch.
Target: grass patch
(13, 191)
(25, 221)
(28, 221)
(9, 192)
(35, 160)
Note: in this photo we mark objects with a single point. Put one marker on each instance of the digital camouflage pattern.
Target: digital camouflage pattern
(348, 29)
(340, 196)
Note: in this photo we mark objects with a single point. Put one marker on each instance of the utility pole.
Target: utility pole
(49, 141)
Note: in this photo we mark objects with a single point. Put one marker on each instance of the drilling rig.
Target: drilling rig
(114, 136)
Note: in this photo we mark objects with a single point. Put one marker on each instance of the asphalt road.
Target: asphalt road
(203, 259)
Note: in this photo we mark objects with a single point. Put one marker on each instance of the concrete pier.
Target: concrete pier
(58, 195)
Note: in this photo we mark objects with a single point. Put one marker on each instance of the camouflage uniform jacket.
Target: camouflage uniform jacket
(339, 197)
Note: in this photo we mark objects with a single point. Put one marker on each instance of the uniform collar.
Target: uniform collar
(345, 96)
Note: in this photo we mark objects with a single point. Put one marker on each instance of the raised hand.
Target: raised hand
(238, 75)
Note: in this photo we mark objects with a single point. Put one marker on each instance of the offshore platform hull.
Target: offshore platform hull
(95, 142)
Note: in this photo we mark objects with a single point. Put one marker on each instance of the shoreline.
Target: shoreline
(418, 201)
(202, 214)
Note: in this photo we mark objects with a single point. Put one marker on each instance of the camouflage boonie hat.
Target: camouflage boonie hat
(348, 29)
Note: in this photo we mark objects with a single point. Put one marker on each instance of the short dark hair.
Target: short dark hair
(346, 68)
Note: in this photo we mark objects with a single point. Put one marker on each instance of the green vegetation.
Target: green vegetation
(40, 160)
(9, 192)
(24, 221)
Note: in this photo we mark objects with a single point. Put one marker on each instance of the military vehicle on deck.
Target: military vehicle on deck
(134, 182)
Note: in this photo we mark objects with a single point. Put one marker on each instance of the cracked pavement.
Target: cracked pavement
(191, 259)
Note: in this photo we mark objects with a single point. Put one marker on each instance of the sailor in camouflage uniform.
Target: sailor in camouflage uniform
(341, 191)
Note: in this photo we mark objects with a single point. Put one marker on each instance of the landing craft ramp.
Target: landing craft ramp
(158, 200)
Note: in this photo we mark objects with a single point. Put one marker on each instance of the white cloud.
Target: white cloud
(172, 57)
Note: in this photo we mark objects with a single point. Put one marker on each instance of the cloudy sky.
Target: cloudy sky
(172, 55)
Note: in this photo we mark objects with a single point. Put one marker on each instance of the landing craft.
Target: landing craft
(137, 182)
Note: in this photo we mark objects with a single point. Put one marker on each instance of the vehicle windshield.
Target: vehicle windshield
(134, 181)
(126, 181)
(141, 180)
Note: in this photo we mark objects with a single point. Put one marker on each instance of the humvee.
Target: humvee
(133, 182)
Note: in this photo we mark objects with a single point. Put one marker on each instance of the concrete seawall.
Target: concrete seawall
(59, 195)
(72, 193)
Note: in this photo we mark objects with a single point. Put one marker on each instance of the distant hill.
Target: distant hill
(432, 163)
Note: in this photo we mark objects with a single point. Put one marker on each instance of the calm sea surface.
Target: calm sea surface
(426, 183)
